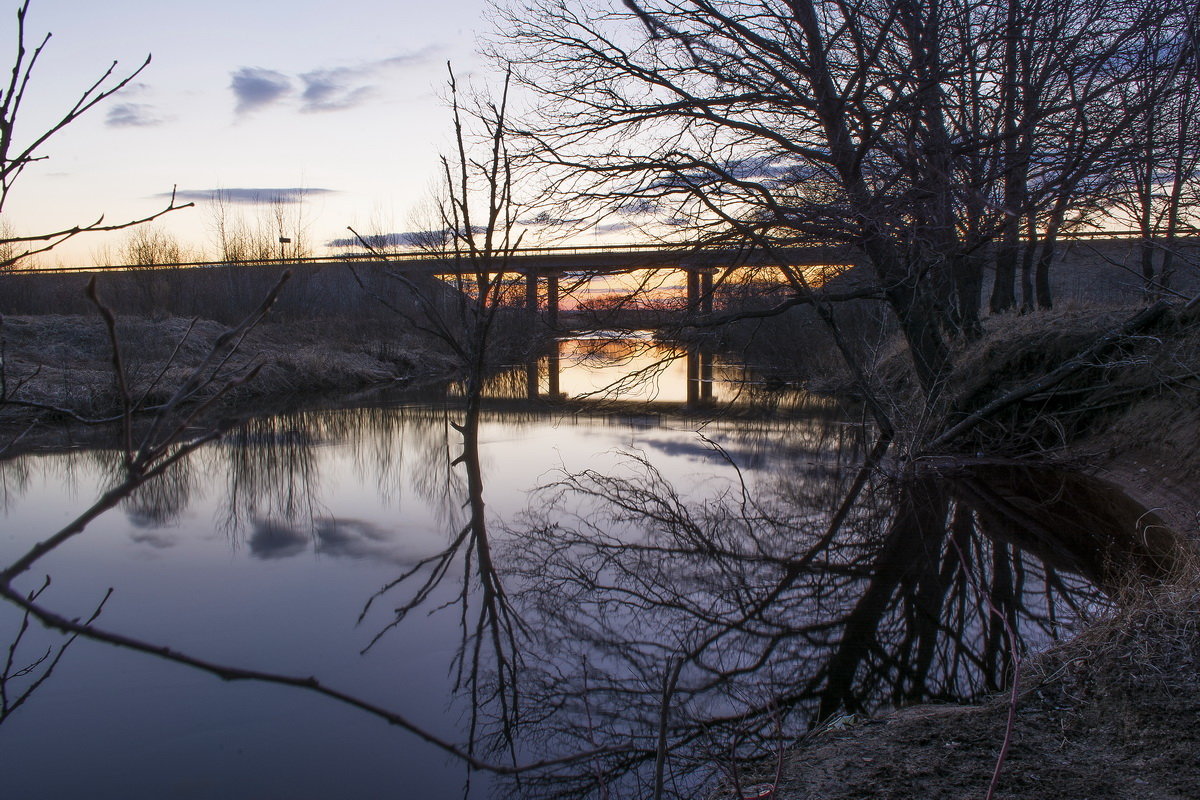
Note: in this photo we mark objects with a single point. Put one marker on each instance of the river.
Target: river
(664, 533)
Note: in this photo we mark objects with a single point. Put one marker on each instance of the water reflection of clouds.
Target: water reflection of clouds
(716, 448)
(354, 538)
(156, 539)
(693, 448)
(341, 538)
(271, 539)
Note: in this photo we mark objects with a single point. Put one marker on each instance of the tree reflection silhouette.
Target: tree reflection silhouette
(691, 632)
(627, 623)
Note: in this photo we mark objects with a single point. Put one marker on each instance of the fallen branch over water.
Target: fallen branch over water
(1085, 358)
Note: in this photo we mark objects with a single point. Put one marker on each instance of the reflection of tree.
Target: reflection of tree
(491, 630)
(14, 481)
(479, 211)
(162, 500)
(668, 627)
(272, 473)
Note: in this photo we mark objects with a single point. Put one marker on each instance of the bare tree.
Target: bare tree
(476, 214)
(18, 151)
(1159, 178)
(277, 229)
(914, 133)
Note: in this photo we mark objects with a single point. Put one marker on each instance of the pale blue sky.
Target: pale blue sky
(338, 96)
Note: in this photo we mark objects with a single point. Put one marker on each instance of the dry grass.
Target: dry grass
(1114, 711)
(65, 361)
(1148, 641)
(1136, 393)
(1109, 715)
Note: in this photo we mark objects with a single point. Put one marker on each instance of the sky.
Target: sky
(341, 99)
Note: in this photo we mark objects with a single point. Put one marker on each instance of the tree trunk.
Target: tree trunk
(1004, 294)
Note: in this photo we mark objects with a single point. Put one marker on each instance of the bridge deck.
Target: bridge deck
(598, 259)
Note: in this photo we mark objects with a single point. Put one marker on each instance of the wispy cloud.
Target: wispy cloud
(383, 241)
(247, 195)
(133, 115)
(334, 89)
(324, 88)
(422, 56)
(613, 227)
(255, 88)
(544, 218)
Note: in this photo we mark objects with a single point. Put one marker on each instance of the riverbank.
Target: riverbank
(59, 367)
(1111, 711)
(1129, 411)
(1108, 715)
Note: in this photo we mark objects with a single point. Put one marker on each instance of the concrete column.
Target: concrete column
(554, 367)
(532, 387)
(693, 291)
(706, 373)
(693, 376)
(531, 298)
(552, 300)
(706, 291)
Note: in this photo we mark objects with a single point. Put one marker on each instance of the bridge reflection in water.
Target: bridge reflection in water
(627, 369)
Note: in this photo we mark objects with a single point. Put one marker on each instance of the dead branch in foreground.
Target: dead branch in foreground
(1138, 322)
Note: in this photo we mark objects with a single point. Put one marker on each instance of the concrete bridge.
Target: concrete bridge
(544, 267)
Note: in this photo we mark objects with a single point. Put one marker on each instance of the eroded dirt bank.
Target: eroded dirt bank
(1114, 710)
(1112, 713)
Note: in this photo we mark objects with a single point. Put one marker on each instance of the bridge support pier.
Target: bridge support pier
(554, 369)
(552, 303)
(531, 293)
(699, 377)
(700, 290)
(552, 357)
(552, 292)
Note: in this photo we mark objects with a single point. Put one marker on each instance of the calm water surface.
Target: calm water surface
(622, 549)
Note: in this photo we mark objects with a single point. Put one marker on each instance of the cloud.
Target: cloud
(255, 87)
(247, 196)
(272, 539)
(613, 227)
(405, 60)
(380, 241)
(639, 207)
(544, 218)
(324, 88)
(427, 239)
(333, 89)
(132, 115)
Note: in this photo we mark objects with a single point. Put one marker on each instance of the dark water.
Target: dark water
(539, 599)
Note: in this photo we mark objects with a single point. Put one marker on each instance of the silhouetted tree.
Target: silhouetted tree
(915, 133)
(18, 151)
